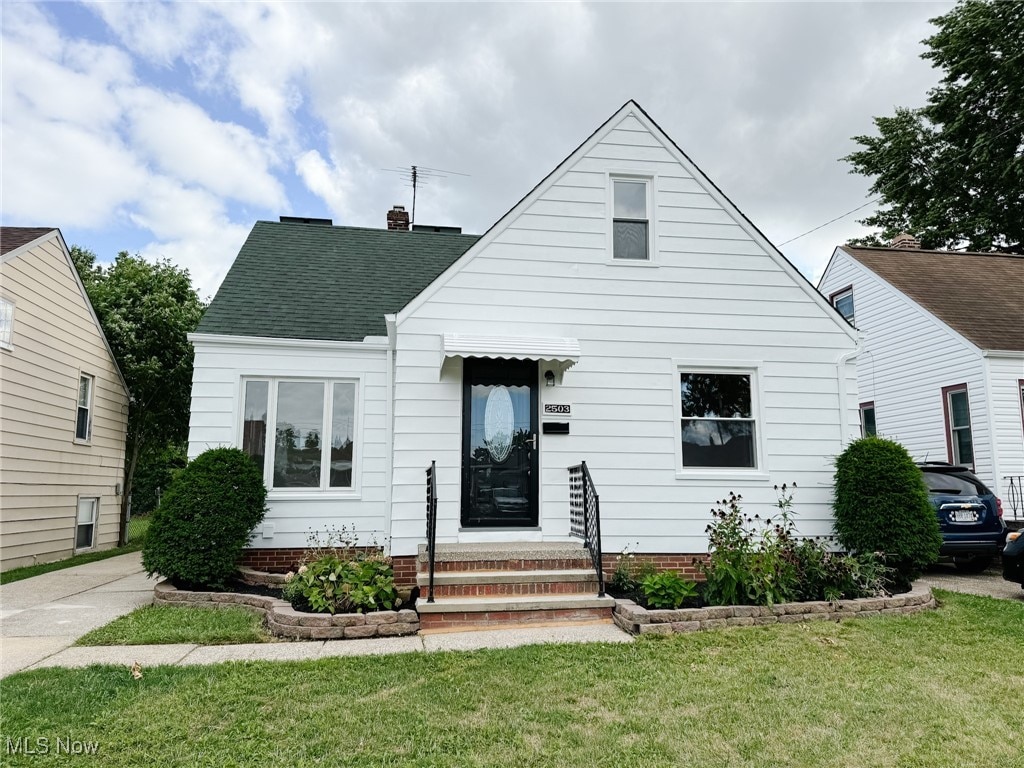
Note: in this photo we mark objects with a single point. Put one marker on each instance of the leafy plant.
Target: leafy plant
(667, 589)
(197, 534)
(881, 505)
(330, 584)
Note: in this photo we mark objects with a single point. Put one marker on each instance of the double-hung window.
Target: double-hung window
(630, 219)
(85, 524)
(83, 417)
(717, 419)
(301, 432)
(957, 410)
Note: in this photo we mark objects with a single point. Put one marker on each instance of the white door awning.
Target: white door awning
(561, 353)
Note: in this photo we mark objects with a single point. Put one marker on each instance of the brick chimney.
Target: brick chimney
(398, 218)
(904, 240)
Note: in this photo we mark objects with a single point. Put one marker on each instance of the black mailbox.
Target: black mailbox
(555, 427)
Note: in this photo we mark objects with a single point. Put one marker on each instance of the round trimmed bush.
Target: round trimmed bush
(881, 505)
(197, 534)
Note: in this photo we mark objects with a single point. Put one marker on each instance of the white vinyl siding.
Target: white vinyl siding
(221, 367)
(1005, 374)
(45, 471)
(714, 297)
(908, 357)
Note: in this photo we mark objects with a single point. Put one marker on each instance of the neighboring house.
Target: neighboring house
(63, 408)
(624, 313)
(942, 366)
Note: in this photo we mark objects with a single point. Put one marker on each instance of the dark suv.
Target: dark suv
(970, 516)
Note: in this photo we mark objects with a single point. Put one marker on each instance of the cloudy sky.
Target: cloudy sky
(168, 129)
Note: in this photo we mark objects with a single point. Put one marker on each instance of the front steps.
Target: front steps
(485, 586)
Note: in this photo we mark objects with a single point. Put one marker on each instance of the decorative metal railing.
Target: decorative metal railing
(1013, 495)
(585, 516)
(431, 526)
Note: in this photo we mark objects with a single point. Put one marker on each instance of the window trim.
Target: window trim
(836, 295)
(1020, 402)
(948, 418)
(736, 367)
(324, 491)
(91, 407)
(870, 404)
(649, 181)
(95, 523)
(8, 345)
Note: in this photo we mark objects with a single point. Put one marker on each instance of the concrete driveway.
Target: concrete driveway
(45, 614)
(990, 583)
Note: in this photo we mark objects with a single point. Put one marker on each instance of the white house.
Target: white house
(942, 366)
(623, 313)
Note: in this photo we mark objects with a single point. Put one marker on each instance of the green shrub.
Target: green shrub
(205, 520)
(881, 505)
(828, 575)
(630, 572)
(331, 584)
(667, 589)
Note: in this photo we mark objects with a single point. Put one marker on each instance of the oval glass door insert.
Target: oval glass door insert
(499, 423)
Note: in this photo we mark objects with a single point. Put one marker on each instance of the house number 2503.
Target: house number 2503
(557, 409)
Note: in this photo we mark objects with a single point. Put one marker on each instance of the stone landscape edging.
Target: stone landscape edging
(637, 620)
(284, 621)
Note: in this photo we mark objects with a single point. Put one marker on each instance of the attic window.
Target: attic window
(843, 301)
(630, 222)
(6, 323)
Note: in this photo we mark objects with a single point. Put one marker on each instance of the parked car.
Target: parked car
(970, 516)
(1013, 557)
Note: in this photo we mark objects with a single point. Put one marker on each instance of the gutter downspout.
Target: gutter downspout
(844, 421)
(389, 427)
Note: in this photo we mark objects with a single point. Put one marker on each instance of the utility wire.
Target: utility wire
(896, 189)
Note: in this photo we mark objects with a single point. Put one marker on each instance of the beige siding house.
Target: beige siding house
(63, 408)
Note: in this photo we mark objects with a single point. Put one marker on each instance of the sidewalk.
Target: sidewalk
(186, 654)
(44, 615)
(41, 617)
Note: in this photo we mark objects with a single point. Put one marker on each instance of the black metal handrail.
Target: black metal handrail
(585, 516)
(1014, 495)
(431, 526)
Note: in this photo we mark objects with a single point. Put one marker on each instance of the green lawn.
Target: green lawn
(156, 624)
(929, 690)
(17, 574)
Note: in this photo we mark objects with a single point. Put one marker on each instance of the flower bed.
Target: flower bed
(641, 621)
(284, 621)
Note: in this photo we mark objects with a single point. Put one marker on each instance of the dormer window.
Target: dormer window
(630, 223)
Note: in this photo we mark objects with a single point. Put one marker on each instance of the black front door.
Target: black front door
(499, 443)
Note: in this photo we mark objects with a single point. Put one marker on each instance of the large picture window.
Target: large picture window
(717, 425)
(300, 432)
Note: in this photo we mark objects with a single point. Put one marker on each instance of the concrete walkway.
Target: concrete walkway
(43, 615)
(990, 583)
(185, 655)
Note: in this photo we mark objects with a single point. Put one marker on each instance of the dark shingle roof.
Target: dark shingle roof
(15, 237)
(979, 295)
(311, 281)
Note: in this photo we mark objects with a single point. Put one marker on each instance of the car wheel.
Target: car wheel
(975, 564)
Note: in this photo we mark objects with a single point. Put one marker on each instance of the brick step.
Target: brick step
(455, 613)
(506, 565)
(514, 556)
(481, 583)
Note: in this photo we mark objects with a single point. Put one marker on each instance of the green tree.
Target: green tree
(146, 309)
(952, 172)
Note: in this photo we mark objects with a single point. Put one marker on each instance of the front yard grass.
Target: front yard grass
(158, 624)
(929, 690)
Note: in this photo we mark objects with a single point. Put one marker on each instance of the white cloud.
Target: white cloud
(184, 142)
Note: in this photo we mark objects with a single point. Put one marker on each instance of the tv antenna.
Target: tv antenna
(416, 176)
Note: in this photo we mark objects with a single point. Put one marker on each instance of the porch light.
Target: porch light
(549, 378)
